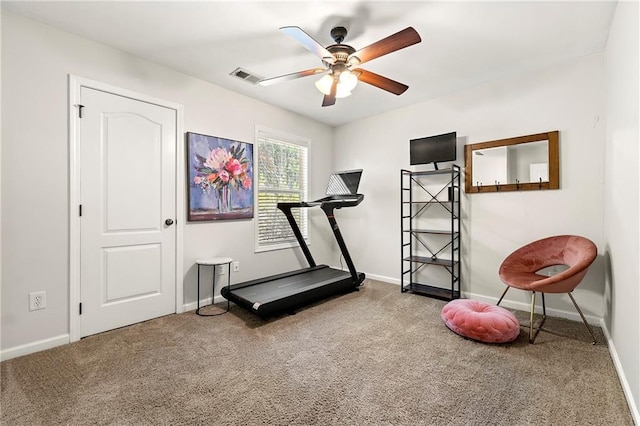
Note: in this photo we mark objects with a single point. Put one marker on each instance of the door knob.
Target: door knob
(168, 222)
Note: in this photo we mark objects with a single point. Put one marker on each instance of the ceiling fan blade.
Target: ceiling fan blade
(292, 76)
(330, 99)
(308, 42)
(397, 41)
(380, 82)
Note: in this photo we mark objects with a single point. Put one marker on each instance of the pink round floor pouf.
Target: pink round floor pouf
(480, 321)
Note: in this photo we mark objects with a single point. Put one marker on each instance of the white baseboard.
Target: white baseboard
(571, 315)
(633, 407)
(38, 346)
(192, 306)
(383, 279)
(64, 339)
(372, 276)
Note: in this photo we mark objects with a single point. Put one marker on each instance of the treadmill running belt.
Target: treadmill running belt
(278, 289)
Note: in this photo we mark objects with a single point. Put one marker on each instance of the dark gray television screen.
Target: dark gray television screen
(433, 149)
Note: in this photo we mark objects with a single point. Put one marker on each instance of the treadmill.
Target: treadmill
(290, 290)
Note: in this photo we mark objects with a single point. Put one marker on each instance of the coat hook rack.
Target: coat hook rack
(541, 148)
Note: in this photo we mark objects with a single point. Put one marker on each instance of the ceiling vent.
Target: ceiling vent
(245, 75)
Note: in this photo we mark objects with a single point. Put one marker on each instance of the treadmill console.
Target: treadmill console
(342, 191)
(344, 183)
(339, 201)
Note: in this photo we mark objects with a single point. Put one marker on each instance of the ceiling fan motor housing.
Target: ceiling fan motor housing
(340, 52)
(338, 34)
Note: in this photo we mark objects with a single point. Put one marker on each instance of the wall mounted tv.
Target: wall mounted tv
(433, 149)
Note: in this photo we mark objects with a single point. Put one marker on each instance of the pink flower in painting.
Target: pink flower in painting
(218, 158)
(234, 167)
(197, 180)
(224, 176)
(246, 183)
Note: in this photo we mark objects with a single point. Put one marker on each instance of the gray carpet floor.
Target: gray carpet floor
(373, 357)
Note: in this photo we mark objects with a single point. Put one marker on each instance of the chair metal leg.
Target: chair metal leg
(533, 329)
(502, 297)
(533, 307)
(593, 342)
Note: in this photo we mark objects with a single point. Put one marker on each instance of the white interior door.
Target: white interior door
(128, 198)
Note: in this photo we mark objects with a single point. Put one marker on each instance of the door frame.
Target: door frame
(75, 84)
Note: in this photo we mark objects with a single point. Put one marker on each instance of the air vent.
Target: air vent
(245, 75)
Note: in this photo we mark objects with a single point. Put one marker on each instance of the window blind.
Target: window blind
(282, 177)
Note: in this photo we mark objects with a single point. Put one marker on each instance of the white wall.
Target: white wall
(36, 60)
(621, 201)
(567, 98)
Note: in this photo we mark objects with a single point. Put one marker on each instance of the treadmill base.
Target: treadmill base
(286, 292)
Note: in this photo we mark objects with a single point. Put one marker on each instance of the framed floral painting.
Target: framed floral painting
(220, 176)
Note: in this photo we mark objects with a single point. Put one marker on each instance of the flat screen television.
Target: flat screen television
(433, 149)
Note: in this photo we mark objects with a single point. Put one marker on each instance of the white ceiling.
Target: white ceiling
(463, 43)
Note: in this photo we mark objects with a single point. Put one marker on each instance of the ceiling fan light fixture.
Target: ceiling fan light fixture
(348, 80)
(346, 83)
(341, 93)
(324, 84)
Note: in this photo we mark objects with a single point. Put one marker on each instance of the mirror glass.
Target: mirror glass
(515, 164)
(511, 164)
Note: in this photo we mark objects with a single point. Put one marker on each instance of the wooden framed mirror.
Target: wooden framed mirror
(524, 163)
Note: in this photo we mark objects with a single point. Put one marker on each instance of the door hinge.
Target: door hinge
(80, 310)
(80, 110)
(80, 210)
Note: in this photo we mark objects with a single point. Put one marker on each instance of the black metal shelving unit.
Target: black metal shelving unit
(430, 222)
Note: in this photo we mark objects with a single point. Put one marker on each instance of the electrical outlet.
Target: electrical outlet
(37, 300)
(236, 266)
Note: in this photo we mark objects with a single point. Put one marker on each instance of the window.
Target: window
(282, 177)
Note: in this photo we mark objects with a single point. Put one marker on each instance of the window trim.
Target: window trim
(266, 132)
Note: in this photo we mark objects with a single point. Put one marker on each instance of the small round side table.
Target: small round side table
(215, 262)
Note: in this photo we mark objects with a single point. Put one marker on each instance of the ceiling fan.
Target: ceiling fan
(340, 61)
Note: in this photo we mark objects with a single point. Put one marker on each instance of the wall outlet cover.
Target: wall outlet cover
(37, 300)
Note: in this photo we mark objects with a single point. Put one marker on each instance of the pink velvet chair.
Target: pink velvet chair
(519, 270)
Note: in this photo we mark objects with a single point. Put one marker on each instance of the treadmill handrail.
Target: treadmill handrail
(338, 201)
(328, 204)
(300, 204)
(286, 209)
